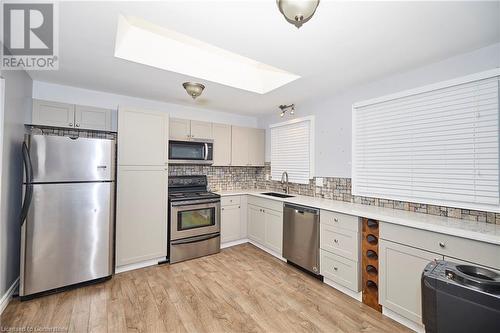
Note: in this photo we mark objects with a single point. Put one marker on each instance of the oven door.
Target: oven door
(190, 152)
(194, 218)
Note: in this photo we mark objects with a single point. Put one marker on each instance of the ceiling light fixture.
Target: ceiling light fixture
(284, 108)
(193, 89)
(297, 12)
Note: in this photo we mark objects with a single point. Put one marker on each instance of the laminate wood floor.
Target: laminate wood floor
(241, 289)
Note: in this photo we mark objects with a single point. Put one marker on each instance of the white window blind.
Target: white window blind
(436, 147)
(292, 150)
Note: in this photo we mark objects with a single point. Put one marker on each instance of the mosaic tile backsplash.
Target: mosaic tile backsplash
(232, 178)
(222, 178)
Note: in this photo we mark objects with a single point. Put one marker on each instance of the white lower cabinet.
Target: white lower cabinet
(340, 249)
(265, 226)
(400, 269)
(230, 229)
(141, 214)
(339, 269)
(256, 224)
(274, 230)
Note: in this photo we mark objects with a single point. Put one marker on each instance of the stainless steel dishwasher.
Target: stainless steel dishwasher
(301, 236)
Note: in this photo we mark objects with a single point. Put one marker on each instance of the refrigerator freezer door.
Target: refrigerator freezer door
(67, 237)
(63, 159)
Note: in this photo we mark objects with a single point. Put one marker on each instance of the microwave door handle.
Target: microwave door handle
(206, 151)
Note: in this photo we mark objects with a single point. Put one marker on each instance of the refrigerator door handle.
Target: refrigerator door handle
(28, 195)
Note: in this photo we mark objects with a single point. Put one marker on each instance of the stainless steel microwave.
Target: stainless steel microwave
(197, 151)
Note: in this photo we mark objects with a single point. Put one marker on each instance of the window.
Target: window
(435, 145)
(292, 150)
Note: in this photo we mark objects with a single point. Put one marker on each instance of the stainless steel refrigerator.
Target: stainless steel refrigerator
(67, 232)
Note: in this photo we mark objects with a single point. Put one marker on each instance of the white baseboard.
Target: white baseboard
(142, 264)
(419, 328)
(358, 296)
(271, 252)
(234, 243)
(4, 301)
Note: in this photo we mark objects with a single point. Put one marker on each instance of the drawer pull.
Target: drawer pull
(335, 268)
(442, 245)
(336, 241)
(335, 219)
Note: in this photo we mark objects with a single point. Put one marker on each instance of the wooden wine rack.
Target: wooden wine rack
(369, 262)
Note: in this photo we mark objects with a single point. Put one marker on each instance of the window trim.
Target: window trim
(312, 140)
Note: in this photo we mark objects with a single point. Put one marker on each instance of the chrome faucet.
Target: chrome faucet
(284, 183)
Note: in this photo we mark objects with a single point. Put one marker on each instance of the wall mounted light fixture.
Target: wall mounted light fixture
(287, 108)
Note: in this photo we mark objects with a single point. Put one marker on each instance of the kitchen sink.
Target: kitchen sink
(279, 195)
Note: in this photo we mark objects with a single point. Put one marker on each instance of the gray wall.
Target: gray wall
(333, 115)
(17, 109)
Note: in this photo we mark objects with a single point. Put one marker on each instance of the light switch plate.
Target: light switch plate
(319, 181)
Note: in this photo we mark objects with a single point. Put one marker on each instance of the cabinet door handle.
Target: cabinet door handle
(70, 124)
(77, 125)
(442, 245)
(335, 219)
(335, 268)
(336, 241)
(222, 209)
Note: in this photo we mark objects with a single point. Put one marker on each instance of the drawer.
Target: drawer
(481, 253)
(266, 203)
(230, 200)
(341, 242)
(340, 270)
(340, 220)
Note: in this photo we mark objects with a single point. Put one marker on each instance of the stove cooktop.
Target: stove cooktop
(192, 196)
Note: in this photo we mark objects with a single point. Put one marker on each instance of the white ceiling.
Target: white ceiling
(344, 44)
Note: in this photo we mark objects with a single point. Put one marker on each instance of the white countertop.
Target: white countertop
(480, 231)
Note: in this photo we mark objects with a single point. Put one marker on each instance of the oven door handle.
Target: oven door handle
(194, 202)
(195, 239)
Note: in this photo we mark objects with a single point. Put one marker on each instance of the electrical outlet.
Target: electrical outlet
(319, 182)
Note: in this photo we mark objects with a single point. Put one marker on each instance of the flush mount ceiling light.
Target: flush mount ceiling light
(152, 45)
(297, 12)
(287, 108)
(193, 89)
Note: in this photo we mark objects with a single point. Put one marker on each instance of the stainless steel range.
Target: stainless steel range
(194, 218)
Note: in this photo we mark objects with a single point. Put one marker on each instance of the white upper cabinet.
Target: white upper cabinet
(142, 137)
(233, 145)
(49, 113)
(53, 114)
(88, 117)
(201, 130)
(239, 146)
(180, 129)
(256, 146)
(222, 144)
(184, 129)
(248, 146)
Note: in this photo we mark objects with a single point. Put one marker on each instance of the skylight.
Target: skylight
(149, 44)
